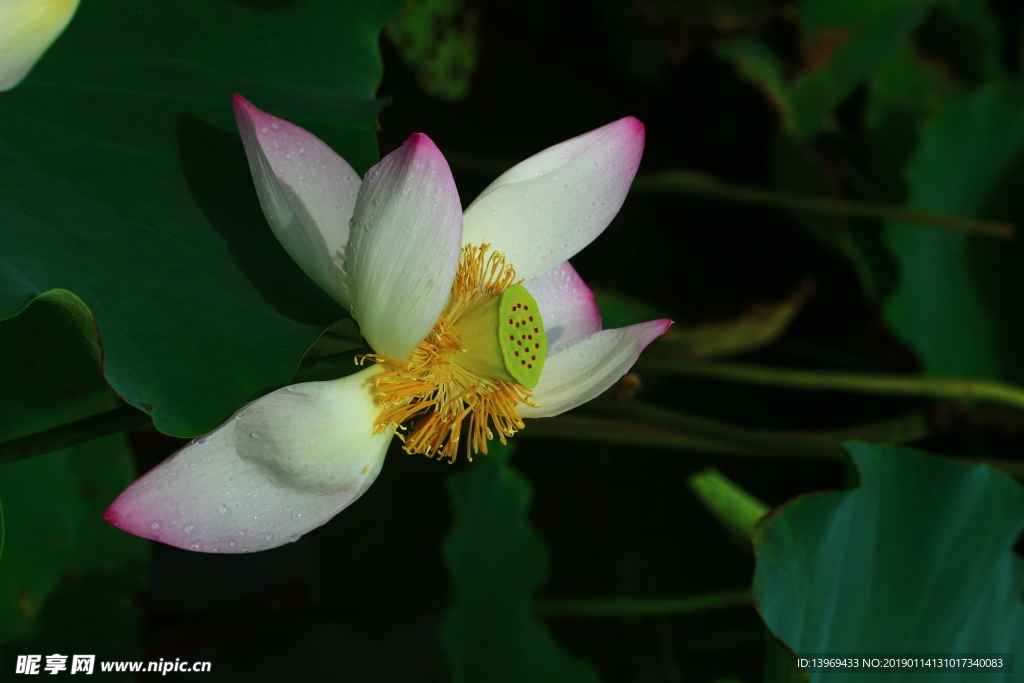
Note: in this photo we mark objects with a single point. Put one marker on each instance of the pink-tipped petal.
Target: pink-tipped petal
(307, 193)
(581, 372)
(566, 306)
(27, 29)
(281, 466)
(546, 209)
(405, 245)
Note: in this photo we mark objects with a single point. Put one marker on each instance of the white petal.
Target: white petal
(283, 465)
(307, 193)
(546, 209)
(566, 306)
(584, 370)
(27, 29)
(406, 240)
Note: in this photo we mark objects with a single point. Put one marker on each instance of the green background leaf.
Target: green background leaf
(936, 304)
(122, 180)
(60, 556)
(918, 559)
(498, 561)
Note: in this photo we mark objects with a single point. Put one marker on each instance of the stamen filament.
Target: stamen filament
(437, 395)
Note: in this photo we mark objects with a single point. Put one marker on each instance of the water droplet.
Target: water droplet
(269, 537)
(232, 543)
(156, 526)
(264, 130)
(297, 515)
(189, 529)
(293, 538)
(224, 510)
(245, 550)
(201, 440)
(196, 546)
(256, 435)
(241, 532)
(275, 125)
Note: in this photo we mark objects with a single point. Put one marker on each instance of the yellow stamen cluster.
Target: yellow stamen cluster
(434, 392)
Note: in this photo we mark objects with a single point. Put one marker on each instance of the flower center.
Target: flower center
(477, 365)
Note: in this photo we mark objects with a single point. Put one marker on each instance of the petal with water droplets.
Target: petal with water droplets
(307, 193)
(545, 209)
(283, 465)
(404, 250)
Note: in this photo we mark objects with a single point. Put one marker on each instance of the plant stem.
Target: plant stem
(674, 181)
(641, 607)
(73, 433)
(626, 433)
(688, 182)
(657, 427)
(707, 427)
(903, 385)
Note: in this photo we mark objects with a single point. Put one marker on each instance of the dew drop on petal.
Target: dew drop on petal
(224, 510)
(293, 538)
(189, 529)
(269, 537)
(156, 526)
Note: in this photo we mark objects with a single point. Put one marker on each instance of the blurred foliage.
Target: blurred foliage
(438, 40)
(936, 306)
(839, 43)
(498, 561)
(64, 570)
(656, 33)
(917, 559)
(758, 326)
(137, 197)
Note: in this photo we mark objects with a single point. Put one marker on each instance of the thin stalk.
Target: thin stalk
(696, 183)
(948, 388)
(656, 427)
(641, 607)
(625, 433)
(71, 434)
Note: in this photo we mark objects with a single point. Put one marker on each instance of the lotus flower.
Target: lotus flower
(476, 321)
(27, 29)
